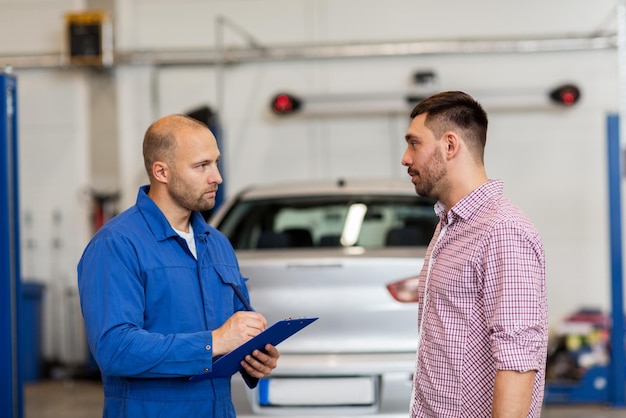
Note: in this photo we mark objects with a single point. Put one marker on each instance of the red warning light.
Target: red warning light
(284, 104)
(565, 95)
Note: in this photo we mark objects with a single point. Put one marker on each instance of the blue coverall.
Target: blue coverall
(149, 308)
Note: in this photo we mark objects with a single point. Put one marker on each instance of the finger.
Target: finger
(254, 367)
(252, 320)
(252, 332)
(267, 360)
(252, 371)
(246, 316)
(272, 351)
(256, 325)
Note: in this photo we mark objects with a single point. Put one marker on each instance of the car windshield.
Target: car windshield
(330, 221)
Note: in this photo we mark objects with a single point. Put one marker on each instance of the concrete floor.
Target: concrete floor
(63, 399)
(83, 399)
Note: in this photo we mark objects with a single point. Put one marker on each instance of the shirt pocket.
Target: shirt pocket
(234, 284)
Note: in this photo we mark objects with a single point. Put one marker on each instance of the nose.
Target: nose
(215, 176)
(406, 159)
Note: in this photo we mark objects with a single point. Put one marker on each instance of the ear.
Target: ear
(160, 172)
(451, 144)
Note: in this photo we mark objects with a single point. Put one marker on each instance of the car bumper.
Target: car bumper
(374, 385)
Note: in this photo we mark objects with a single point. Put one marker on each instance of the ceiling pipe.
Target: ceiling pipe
(231, 56)
(363, 50)
(46, 60)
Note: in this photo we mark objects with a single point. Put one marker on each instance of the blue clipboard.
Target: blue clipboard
(230, 363)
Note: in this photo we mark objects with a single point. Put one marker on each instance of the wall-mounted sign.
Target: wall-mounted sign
(89, 37)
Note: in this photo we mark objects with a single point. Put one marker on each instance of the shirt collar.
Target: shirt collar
(157, 222)
(470, 203)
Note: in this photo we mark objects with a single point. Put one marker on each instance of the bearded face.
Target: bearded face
(429, 175)
(190, 194)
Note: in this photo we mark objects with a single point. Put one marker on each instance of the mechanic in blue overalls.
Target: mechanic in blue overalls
(161, 291)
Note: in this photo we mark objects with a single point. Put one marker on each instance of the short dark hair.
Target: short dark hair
(456, 109)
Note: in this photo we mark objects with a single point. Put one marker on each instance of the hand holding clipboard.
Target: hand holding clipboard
(230, 363)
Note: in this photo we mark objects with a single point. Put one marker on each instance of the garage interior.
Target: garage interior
(304, 89)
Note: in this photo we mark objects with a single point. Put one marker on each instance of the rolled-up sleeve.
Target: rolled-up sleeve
(514, 295)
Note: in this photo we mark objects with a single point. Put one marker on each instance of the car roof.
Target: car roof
(331, 187)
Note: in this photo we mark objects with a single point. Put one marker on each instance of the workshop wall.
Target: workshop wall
(553, 162)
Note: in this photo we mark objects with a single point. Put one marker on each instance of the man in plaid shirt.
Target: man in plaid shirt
(483, 316)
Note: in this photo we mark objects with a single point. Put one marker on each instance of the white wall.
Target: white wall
(553, 163)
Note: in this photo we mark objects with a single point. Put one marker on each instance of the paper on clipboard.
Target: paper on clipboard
(230, 363)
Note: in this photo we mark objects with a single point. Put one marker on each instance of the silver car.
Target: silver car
(347, 252)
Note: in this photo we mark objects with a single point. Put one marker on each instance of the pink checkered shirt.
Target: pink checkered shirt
(483, 307)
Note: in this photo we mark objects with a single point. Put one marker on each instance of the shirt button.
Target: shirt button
(207, 347)
(206, 370)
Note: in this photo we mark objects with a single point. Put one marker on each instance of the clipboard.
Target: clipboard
(229, 364)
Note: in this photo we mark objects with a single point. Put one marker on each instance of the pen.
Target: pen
(241, 297)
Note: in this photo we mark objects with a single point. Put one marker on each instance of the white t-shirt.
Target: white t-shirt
(188, 236)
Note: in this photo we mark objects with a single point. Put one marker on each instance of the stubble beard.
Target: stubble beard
(431, 175)
(185, 196)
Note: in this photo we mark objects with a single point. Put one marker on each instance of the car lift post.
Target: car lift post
(618, 364)
(11, 398)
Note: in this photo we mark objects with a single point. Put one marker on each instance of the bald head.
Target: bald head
(160, 141)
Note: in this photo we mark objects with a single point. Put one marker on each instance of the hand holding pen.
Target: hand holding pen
(237, 329)
(247, 325)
